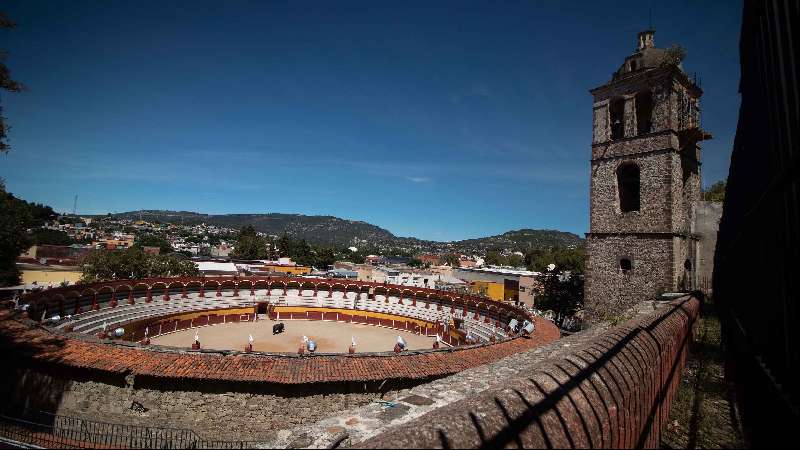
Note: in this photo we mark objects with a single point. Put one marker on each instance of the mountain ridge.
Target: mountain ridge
(335, 231)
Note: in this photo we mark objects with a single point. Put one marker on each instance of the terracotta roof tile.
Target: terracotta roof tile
(45, 346)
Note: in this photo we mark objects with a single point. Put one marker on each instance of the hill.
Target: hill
(334, 231)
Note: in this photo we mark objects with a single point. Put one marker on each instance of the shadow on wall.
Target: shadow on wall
(613, 392)
(26, 393)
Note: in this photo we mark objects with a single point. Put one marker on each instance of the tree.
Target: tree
(715, 193)
(250, 245)
(415, 262)
(562, 293)
(7, 84)
(152, 240)
(567, 259)
(450, 259)
(133, 263)
(494, 258)
(325, 257)
(46, 236)
(16, 217)
(515, 260)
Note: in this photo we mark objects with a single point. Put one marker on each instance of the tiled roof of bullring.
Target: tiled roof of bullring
(28, 340)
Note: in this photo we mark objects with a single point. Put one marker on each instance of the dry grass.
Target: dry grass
(703, 414)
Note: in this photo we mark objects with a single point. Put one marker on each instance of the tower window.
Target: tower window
(687, 265)
(628, 185)
(617, 116)
(625, 264)
(644, 112)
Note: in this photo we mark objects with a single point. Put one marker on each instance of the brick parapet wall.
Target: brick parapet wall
(609, 389)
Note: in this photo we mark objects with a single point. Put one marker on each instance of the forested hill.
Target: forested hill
(333, 231)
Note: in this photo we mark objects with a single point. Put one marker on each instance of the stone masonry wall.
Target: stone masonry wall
(654, 214)
(214, 414)
(707, 225)
(609, 291)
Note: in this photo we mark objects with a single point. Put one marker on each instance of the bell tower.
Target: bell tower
(645, 181)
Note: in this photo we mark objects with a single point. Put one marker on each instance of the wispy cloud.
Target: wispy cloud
(418, 179)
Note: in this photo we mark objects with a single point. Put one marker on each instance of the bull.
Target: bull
(277, 328)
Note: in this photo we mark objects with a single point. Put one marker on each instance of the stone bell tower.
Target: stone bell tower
(645, 181)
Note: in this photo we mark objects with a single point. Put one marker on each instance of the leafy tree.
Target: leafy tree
(250, 245)
(16, 217)
(515, 260)
(7, 84)
(562, 293)
(715, 193)
(450, 259)
(415, 262)
(133, 263)
(494, 258)
(153, 240)
(568, 259)
(325, 257)
(46, 236)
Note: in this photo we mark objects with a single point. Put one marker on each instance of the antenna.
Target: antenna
(650, 18)
(75, 204)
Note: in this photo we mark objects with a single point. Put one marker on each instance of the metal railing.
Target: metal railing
(54, 431)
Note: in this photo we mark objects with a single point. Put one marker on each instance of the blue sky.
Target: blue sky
(440, 120)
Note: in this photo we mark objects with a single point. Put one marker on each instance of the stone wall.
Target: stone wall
(250, 413)
(610, 291)
(654, 214)
(707, 225)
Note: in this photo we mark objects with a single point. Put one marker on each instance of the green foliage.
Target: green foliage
(565, 259)
(450, 259)
(561, 293)
(133, 263)
(250, 246)
(415, 262)
(153, 240)
(715, 193)
(515, 260)
(354, 257)
(674, 54)
(7, 84)
(46, 236)
(494, 258)
(16, 217)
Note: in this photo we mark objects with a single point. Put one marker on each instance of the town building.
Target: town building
(517, 286)
(115, 242)
(217, 268)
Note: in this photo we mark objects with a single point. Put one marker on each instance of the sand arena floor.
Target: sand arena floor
(331, 337)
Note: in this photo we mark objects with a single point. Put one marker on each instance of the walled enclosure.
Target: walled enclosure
(604, 387)
(222, 394)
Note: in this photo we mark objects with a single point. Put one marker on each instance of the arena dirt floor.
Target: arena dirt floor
(331, 337)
